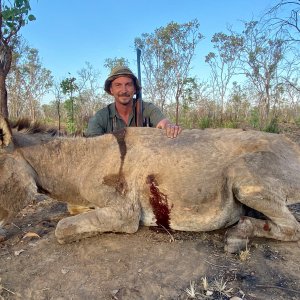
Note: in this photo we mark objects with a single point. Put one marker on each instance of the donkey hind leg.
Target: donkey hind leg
(267, 195)
(5, 217)
(124, 218)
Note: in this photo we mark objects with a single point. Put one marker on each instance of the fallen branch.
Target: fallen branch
(172, 238)
(9, 291)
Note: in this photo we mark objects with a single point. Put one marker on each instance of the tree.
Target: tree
(14, 80)
(284, 21)
(166, 57)
(36, 81)
(28, 81)
(193, 98)
(12, 17)
(284, 18)
(57, 92)
(111, 63)
(68, 86)
(261, 59)
(237, 105)
(90, 94)
(224, 62)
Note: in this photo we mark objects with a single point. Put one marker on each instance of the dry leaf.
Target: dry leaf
(31, 234)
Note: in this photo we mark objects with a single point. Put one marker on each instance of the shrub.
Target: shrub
(272, 126)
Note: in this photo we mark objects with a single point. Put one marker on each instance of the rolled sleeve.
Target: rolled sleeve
(96, 125)
(153, 113)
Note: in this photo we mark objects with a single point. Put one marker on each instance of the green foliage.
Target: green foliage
(272, 126)
(71, 128)
(166, 58)
(205, 122)
(14, 16)
(227, 47)
(230, 124)
(69, 107)
(189, 87)
(68, 85)
(254, 118)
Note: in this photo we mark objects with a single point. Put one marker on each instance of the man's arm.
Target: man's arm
(94, 126)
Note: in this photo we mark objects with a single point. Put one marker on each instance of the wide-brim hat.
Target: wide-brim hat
(121, 71)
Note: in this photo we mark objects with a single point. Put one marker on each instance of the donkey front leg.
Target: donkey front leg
(123, 218)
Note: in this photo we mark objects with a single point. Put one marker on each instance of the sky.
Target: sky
(68, 33)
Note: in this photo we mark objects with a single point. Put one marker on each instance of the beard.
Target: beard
(124, 98)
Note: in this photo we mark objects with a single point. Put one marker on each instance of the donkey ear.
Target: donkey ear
(5, 133)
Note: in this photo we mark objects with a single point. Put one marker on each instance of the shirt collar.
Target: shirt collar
(113, 112)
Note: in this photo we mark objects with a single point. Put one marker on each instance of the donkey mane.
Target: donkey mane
(27, 133)
(24, 125)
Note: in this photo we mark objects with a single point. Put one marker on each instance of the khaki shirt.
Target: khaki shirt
(108, 120)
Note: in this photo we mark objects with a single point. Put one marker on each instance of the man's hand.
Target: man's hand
(172, 130)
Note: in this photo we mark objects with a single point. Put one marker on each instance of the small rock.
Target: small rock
(64, 271)
(18, 252)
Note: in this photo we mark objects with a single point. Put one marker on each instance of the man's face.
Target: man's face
(123, 89)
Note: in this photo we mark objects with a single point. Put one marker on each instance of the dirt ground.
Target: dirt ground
(151, 264)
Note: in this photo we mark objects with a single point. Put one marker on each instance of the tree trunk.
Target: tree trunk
(177, 110)
(5, 63)
(3, 97)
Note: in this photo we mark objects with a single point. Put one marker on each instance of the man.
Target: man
(122, 84)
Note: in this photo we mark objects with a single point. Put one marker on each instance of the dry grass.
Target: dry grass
(207, 290)
(191, 292)
(245, 255)
(221, 287)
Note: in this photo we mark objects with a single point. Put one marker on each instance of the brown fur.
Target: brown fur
(200, 181)
(5, 133)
